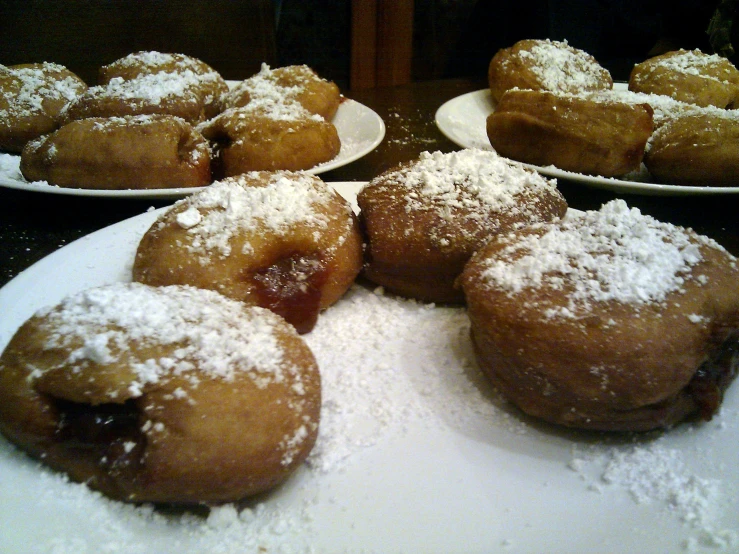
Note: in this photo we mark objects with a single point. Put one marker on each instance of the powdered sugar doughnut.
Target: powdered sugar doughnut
(699, 148)
(608, 320)
(115, 153)
(545, 65)
(293, 83)
(201, 78)
(165, 87)
(425, 219)
(280, 136)
(161, 394)
(284, 241)
(594, 135)
(31, 98)
(689, 76)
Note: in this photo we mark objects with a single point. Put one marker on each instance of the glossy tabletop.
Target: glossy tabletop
(33, 224)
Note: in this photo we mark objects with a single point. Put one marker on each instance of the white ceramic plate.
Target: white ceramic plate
(462, 120)
(360, 129)
(416, 454)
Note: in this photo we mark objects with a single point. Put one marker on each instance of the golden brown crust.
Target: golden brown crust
(214, 426)
(580, 134)
(545, 65)
(611, 363)
(281, 138)
(31, 99)
(688, 76)
(293, 83)
(138, 152)
(696, 149)
(425, 219)
(287, 242)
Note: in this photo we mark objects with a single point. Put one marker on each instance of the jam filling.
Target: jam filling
(107, 433)
(714, 376)
(291, 287)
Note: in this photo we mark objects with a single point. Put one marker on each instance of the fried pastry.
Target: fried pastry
(116, 153)
(31, 99)
(423, 220)
(607, 320)
(699, 148)
(284, 241)
(183, 93)
(595, 136)
(202, 79)
(281, 136)
(293, 83)
(161, 394)
(689, 76)
(545, 65)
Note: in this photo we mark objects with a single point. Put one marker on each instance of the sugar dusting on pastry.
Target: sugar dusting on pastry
(228, 207)
(218, 335)
(612, 254)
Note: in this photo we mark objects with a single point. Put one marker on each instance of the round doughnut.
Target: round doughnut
(689, 76)
(699, 148)
(115, 153)
(285, 136)
(206, 81)
(584, 134)
(607, 320)
(31, 98)
(161, 394)
(550, 65)
(423, 220)
(284, 241)
(296, 83)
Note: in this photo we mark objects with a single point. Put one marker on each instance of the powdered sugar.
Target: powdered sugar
(37, 85)
(559, 67)
(217, 336)
(214, 216)
(613, 254)
(478, 181)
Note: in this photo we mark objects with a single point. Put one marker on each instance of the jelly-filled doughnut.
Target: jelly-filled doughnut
(607, 320)
(689, 76)
(131, 152)
(292, 83)
(284, 241)
(550, 65)
(591, 135)
(423, 220)
(280, 136)
(161, 394)
(31, 99)
(202, 79)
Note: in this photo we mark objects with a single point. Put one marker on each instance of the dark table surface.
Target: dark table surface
(33, 224)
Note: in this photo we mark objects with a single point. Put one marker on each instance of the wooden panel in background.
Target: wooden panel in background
(382, 43)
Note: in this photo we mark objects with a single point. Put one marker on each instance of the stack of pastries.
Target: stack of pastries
(555, 105)
(160, 120)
